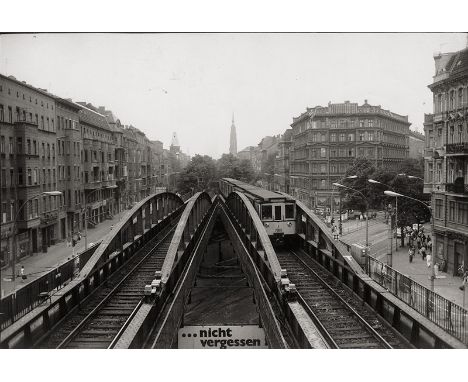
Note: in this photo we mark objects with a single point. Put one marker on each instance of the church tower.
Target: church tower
(233, 139)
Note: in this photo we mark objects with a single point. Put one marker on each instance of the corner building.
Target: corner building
(326, 141)
(446, 159)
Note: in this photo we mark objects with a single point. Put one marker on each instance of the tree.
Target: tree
(409, 211)
(230, 166)
(363, 169)
(198, 174)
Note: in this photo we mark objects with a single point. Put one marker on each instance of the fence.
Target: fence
(17, 304)
(442, 312)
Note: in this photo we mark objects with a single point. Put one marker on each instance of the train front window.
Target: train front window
(267, 212)
(277, 212)
(289, 211)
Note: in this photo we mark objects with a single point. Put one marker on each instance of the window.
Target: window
(438, 208)
(2, 144)
(42, 122)
(29, 146)
(29, 177)
(324, 138)
(267, 212)
(371, 135)
(323, 152)
(35, 176)
(289, 211)
(3, 177)
(350, 137)
(20, 176)
(333, 137)
(1, 113)
(451, 211)
(19, 142)
(462, 216)
(361, 136)
(342, 137)
(323, 168)
(10, 114)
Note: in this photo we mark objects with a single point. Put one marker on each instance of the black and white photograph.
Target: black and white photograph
(229, 190)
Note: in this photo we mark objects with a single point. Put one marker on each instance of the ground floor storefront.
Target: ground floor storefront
(451, 248)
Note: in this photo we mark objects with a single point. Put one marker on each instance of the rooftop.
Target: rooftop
(348, 108)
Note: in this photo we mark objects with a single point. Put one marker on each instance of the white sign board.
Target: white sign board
(222, 337)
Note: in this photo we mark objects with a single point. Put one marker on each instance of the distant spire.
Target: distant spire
(175, 141)
(233, 138)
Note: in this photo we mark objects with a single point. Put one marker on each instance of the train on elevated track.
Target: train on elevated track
(277, 211)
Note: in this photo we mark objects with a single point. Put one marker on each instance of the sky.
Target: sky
(191, 84)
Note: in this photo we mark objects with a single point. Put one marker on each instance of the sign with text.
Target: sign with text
(222, 337)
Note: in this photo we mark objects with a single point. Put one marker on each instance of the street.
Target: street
(35, 266)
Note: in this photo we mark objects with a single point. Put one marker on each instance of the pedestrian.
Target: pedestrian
(23, 276)
(411, 253)
(111, 227)
(429, 243)
(428, 260)
(422, 251)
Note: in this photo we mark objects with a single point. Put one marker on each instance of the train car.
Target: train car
(276, 211)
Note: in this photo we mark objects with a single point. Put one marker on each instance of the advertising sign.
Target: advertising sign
(222, 337)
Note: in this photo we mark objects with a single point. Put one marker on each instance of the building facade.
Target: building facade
(62, 161)
(446, 159)
(281, 175)
(417, 144)
(28, 169)
(326, 141)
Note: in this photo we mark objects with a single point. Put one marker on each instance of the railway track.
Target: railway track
(102, 316)
(343, 320)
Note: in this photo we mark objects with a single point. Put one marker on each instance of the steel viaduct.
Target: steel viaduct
(207, 261)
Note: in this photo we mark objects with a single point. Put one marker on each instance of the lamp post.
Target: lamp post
(373, 181)
(15, 223)
(341, 180)
(396, 194)
(367, 211)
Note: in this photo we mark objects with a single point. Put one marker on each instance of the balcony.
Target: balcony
(457, 148)
(92, 185)
(49, 217)
(457, 187)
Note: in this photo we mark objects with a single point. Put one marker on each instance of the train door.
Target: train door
(278, 212)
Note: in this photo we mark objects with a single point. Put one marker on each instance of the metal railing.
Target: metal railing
(22, 301)
(442, 312)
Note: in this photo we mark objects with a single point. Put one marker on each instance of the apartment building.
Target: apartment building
(446, 159)
(326, 141)
(62, 161)
(28, 168)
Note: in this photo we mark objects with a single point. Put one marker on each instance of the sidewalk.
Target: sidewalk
(36, 265)
(445, 284)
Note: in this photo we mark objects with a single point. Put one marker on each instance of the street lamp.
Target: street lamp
(333, 192)
(396, 194)
(50, 193)
(367, 210)
(390, 258)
